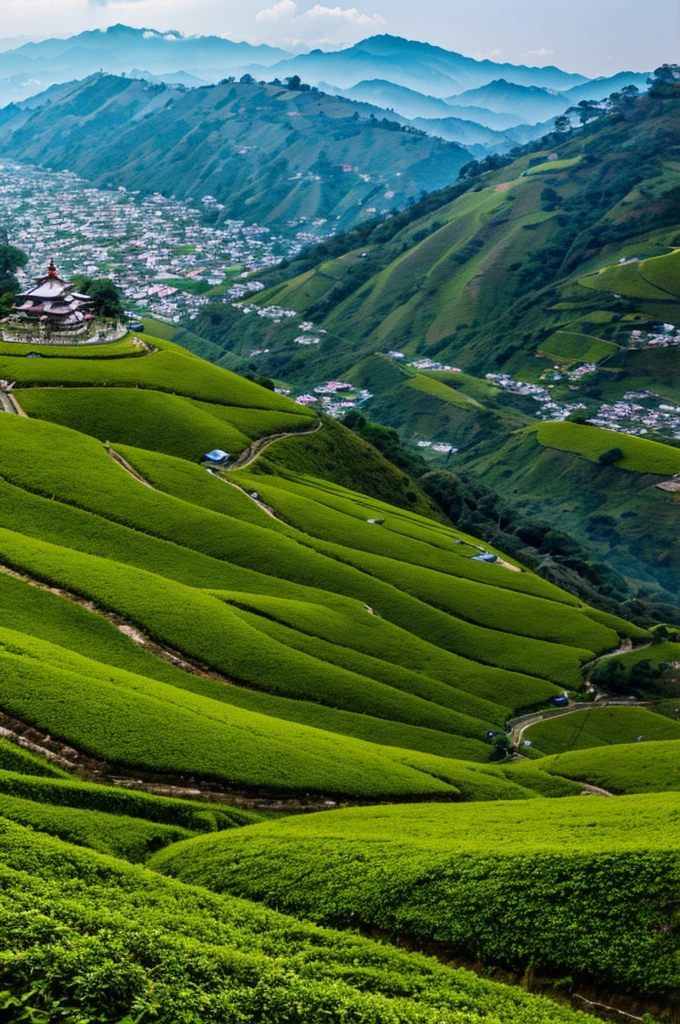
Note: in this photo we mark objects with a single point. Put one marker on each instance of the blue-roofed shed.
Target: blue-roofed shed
(216, 456)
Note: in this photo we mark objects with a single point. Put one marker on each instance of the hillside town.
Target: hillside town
(163, 253)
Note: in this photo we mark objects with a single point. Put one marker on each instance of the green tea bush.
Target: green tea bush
(84, 936)
(652, 767)
(257, 422)
(345, 522)
(186, 815)
(14, 758)
(172, 369)
(135, 722)
(593, 882)
(130, 838)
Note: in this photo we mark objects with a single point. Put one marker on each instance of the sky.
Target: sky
(593, 37)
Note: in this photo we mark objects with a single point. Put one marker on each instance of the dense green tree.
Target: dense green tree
(106, 297)
(610, 457)
(11, 259)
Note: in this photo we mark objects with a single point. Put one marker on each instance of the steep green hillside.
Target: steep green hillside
(627, 768)
(364, 658)
(282, 155)
(466, 876)
(296, 629)
(637, 453)
(117, 822)
(489, 270)
(618, 513)
(555, 271)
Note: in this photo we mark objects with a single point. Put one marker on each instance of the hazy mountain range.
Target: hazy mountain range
(430, 71)
(287, 155)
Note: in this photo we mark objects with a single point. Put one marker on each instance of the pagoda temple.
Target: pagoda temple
(52, 301)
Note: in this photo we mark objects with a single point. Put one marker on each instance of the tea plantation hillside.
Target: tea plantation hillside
(498, 268)
(652, 767)
(361, 660)
(514, 885)
(550, 279)
(601, 726)
(86, 936)
(189, 649)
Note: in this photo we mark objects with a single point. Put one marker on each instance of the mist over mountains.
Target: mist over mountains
(435, 73)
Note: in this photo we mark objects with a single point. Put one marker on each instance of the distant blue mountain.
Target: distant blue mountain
(529, 102)
(36, 66)
(600, 88)
(414, 65)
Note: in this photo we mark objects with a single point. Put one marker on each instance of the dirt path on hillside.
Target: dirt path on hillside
(254, 450)
(625, 648)
(125, 626)
(249, 494)
(518, 726)
(95, 770)
(128, 468)
(8, 403)
(91, 769)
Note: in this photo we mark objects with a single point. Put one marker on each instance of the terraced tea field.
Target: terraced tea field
(303, 645)
(183, 647)
(601, 726)
(142, 941)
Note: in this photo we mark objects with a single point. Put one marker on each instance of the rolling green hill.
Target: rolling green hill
(402, 653)
(487, 271)
(185, 651)
(528, 883)
(624, 768)
(282, 155)
(600, 727)
(148, 945)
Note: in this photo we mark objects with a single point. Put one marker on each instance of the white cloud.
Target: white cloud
(538, 54)
(320, 24)
(283, 11)
(489, 55)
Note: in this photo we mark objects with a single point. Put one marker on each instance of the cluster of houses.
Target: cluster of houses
(431, 364)
(629, 416)
(438, 446)
(336, 397)
(156, 249)
(667, 336)
(584, 370)
(548, 408)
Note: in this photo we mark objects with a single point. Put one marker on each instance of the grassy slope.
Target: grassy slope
(639, 454)
(488, 281)
(294, 591)
(639, 768)
(145, 419)
(570, 492)
(600, 727)
(463, 876)
(656, 278)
